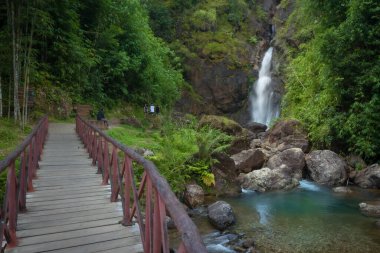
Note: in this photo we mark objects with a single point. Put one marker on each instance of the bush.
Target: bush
(204, 20)
(183, 152)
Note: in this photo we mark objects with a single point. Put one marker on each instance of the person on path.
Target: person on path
(100, 116)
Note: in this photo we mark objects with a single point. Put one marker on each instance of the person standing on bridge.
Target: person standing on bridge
(100, 116)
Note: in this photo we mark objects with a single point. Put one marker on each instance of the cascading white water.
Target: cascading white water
(263, 106)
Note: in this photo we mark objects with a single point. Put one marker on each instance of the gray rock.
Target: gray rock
(225, 174)
(221, 215)
(256, 127)
(194, 195)
(355, 162)
(369, 177)
(372, 210)
(267, 179)
(169, 223)
(293, 158)
(248, 243)
(148, 152)
(342, 189)
(239, 144)
(255, 143)
(326, 167)
(249, 160)
(287, 134)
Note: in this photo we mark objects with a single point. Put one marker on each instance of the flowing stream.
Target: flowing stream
(310, 218)
(263, 105)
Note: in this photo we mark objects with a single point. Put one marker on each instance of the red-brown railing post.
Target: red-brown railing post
(30, 168)
(157, 223)
(114, 175)
(23, 176)
(99, 156)
(11, 203)
(106, 163)
(127, 191)
(164, 228)
(29, 153)
(94, 150)
(159, 199)
(148, 216)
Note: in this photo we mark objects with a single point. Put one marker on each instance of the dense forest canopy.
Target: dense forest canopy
(333, 77)
(97, 51)
(104, 51)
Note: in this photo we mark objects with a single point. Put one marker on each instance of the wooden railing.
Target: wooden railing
(28, 154)
(150, 203)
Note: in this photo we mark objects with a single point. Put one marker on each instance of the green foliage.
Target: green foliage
(11, 135)
(97, 51)
(237, 12)
(253, 40)
(182, 151)
(204, 20)
(333, 83)
(215, 30)
(215, 50)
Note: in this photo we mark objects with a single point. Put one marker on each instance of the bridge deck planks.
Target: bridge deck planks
(70, 210)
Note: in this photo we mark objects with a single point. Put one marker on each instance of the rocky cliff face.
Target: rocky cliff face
(222, 86)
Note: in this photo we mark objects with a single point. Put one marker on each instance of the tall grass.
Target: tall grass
(11, 135)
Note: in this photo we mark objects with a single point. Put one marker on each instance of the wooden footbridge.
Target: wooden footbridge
(74, 189)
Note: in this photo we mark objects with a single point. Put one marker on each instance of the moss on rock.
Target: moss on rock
(222, 123)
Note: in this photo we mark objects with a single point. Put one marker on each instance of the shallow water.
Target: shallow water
(310, 218)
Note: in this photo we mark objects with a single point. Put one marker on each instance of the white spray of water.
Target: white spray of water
(264, 108)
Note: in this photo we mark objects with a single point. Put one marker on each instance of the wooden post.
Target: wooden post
(1, 100)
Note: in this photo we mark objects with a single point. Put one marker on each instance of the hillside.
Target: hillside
(199, 57)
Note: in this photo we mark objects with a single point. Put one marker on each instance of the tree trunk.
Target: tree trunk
(1, 100)
(9, 98)
(16, 64)
(27, 73)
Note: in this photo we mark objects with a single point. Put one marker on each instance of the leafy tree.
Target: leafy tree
(333, 83)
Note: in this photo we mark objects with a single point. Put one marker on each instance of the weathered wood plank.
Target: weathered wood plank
(68, 195)
(55, 193)
(31, 211)
(130, 245)
(68, 227)
(42, 222)
(80, 240)
(70, 210)
(68, 235)
(69, 203)
(25, 218)
(133, 248)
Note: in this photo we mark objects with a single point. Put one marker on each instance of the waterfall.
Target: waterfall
(263, 105)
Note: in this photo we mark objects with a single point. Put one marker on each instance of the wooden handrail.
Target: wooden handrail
(159, 198)
(29, 152)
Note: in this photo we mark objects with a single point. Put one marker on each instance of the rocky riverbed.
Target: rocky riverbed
(309, 218)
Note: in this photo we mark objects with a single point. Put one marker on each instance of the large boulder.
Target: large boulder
(221, 215)
(342, 189)
(222, 123)
(369, 177)
(225, 175)
(248, 160)
(256, 127)
(326, 167)
(194, 195)
(293, 158)
(266, 179)
(287, 134)
(370, 209)
(241, 142)
(355, 162)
